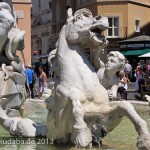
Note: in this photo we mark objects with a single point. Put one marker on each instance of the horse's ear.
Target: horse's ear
(69, 13)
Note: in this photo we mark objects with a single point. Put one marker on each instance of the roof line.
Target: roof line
(130, 1)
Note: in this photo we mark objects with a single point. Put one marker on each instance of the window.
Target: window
(54, 29)
(58, 13)
(113, 30)
(50, 5)
(137, 25)
(40, 53)
(39, 3)
(31, 13)
(78, 2)
(39, 44)
(68, 2)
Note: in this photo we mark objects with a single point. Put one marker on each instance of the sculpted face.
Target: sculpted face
(113, 63)
(83, 28)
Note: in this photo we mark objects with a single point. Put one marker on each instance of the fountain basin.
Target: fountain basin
(121, 138)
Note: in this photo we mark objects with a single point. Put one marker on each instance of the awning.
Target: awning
(145, 55)
(139, 38)
(135, 52)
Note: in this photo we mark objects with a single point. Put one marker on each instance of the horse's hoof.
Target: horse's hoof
(143, 142)
(82, 137)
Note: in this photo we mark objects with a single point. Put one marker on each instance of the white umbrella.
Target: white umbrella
(145, 55)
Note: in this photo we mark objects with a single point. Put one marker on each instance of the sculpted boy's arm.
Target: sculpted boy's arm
(114, 90)
(101, 69)
(102, 65)
(112, 93)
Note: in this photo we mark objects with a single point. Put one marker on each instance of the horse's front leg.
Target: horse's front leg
(124, 108)
(143, 141)
(81, 135)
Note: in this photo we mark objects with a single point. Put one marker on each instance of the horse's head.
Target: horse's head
(83, 28)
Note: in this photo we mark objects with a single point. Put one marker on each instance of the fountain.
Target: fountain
(80, 109)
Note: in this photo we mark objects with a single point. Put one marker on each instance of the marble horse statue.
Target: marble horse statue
(80, 108)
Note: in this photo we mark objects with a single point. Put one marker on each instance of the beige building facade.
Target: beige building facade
(127, 18)
(23, 14)
(42, 36)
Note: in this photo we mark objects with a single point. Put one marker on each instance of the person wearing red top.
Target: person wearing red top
(123, 84)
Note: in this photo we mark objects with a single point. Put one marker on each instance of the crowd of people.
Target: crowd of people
(142, 78)
(142, 75)
(31, 78)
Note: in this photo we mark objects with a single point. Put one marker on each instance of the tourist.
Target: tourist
(139, 76)
(148, 68)
(123, 84)
(128, 70)
(34, 81)
(50, 73)
(138, 65)
(29, 75)
(42, 81)
(107, 72)
(142, 81)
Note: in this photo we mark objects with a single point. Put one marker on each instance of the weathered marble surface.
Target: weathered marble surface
(80, 107)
